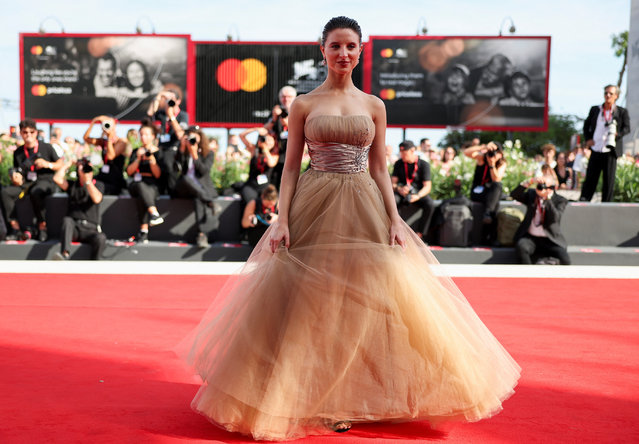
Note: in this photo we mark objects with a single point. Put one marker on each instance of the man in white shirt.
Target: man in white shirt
(603, 130)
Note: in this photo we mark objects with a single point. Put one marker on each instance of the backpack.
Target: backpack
(456, 227)
(508, 221)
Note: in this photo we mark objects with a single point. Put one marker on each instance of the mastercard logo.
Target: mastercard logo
(39, 90)
(387, 94)
(247, 75)
(36, 50)
(386, 53)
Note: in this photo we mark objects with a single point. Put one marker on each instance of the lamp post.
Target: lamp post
(512, 28)
(421, 26)
(229, 35)
(138, 28)
(41, 29)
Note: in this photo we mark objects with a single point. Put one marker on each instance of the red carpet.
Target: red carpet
(87, 359)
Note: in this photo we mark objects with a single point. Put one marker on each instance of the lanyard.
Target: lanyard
(410, 181)
(541, 211)
(35, 151)
(260, 163)
(484, 179)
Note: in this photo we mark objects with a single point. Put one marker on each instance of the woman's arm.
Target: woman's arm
(379, 172)
(291, 171)
(249, 212)
(249, 146)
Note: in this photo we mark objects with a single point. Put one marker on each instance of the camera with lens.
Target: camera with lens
(406, 199)
(84, 166)
(18, 170)
(171, 103)
(106, 126)
(192, 140)
(261, 139)
(543, 186)
(611, 137)
(284, 113)
(148, 153)
(490, 153)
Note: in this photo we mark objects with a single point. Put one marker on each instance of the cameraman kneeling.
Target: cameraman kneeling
(540, 232)
(412, 184)
(82, 222)
(260, 213)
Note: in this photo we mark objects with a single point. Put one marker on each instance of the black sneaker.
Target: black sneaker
(42, 235)
(156, 219)
(13, 235)
(24, 235)
(141, 238)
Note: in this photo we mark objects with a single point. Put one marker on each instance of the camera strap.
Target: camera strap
(607, 113)
(412, 179)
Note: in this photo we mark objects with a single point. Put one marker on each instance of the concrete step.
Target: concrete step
(221, 251)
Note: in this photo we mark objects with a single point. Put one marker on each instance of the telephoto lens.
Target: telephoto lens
(192, 140)
(106, 126)
(171, 102)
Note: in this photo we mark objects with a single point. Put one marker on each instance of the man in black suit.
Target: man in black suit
(603, 129)
(540, 232)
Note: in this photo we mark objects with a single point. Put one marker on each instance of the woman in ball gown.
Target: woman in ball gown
(338, 316)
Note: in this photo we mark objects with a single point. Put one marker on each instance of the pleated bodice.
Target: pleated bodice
(339, 144)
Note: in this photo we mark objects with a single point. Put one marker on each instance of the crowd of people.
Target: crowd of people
(167, 156)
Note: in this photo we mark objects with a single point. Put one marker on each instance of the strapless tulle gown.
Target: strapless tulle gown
(342, 326)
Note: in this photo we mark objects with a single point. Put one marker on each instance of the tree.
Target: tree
(620, 45)
(561, 128)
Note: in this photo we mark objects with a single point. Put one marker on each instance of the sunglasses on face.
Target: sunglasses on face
(543, 186)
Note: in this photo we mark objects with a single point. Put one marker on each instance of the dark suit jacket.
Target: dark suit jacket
(554, 208)
(623, 125)
(202, 166)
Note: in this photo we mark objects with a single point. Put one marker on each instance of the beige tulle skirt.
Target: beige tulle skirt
(342, 326)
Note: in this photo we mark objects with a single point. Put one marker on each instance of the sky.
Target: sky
(581, 59)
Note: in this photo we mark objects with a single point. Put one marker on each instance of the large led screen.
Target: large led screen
(67, 77)
(237, 84)
(497, 83)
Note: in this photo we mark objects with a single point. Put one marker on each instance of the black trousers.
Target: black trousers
(489, 197)
(529, 245)
(147, 195)
(188, 187)
(38, 192)
(3, 223)
(84, 232)
(600, 163)
(428, 208)
(9, 195)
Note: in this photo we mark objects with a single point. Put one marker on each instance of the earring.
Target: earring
(323, 62)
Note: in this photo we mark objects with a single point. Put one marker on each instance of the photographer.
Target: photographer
(411, 184)
(260, 213)
(540, 232)
(193, 163)
(277, 126)
(82, 222)
(34, 164)
(603, 131)
(170, 121)
(113, 149)
(144, 169)
(487, 187)
(264, 157)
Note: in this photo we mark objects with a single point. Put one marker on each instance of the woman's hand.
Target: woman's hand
(397, 234)
(278, 235)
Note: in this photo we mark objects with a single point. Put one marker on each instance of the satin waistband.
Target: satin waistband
(335, 157)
